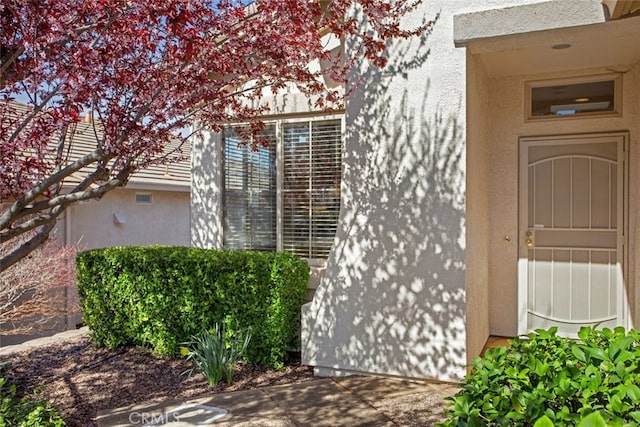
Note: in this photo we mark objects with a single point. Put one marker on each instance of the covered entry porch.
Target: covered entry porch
(552, 197)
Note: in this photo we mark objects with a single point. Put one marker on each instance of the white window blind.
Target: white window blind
(311, 186)
(249, 194)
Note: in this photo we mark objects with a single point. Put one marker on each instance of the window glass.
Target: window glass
(563, 98)
(311, 186)
(249, 192)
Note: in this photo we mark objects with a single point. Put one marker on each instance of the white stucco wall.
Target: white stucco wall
(166, 221)
(396, 298)
(524, 17)
(206, 191)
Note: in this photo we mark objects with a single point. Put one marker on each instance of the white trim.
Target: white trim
(279, 186)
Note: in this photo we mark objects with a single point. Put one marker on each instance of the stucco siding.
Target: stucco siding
(523, 18)
(424, 265)
(117, 220)
(400, 296)
(206, 192)
(477, 208)
(392, 300)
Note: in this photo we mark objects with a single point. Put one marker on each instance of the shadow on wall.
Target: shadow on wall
(392, 300)
(206, 192)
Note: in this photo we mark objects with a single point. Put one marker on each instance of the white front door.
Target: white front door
(571, 234)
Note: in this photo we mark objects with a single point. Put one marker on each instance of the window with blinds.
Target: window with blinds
(249, 193)
(311, 186)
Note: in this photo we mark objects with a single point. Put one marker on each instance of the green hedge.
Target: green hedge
(545, 380)
(157, 297)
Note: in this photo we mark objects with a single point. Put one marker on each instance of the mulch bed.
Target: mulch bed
(82, 380)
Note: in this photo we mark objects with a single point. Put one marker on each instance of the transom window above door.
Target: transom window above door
(285, 196)
(575, 97)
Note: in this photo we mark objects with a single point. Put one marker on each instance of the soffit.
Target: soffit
(525, 19)
(594, 45)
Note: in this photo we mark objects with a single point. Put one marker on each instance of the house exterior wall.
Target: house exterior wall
(91, 225)
(523, 17)
(206, 192)
(406, 292)
(507, 125)
(165, 221)
(477, 206)
(424, 264)
(393, 298)
(504, 57)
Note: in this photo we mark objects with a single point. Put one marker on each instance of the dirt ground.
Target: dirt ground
(82, 380)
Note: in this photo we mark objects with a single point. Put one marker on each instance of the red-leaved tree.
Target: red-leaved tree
(143, 72)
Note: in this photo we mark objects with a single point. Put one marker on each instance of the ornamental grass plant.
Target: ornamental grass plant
(214, 355)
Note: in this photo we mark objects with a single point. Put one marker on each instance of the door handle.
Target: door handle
(529, 239)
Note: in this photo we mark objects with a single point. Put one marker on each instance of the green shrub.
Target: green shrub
(214, 355)
(546, 380)
(25, 411)
(160, 296)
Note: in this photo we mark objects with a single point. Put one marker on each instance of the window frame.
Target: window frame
(595, 78)
(279, 124)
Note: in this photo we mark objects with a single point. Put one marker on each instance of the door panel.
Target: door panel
(571, 253)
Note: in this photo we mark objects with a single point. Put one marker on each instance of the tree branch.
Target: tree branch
(28, 246)
(98, 174)
(42, 235)
(25, 227)
(7, 216)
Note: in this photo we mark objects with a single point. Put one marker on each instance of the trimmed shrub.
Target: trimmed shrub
(546, 380)
(157, 297)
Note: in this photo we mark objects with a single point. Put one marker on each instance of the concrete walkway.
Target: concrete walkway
(347, 401)
(39, 342)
